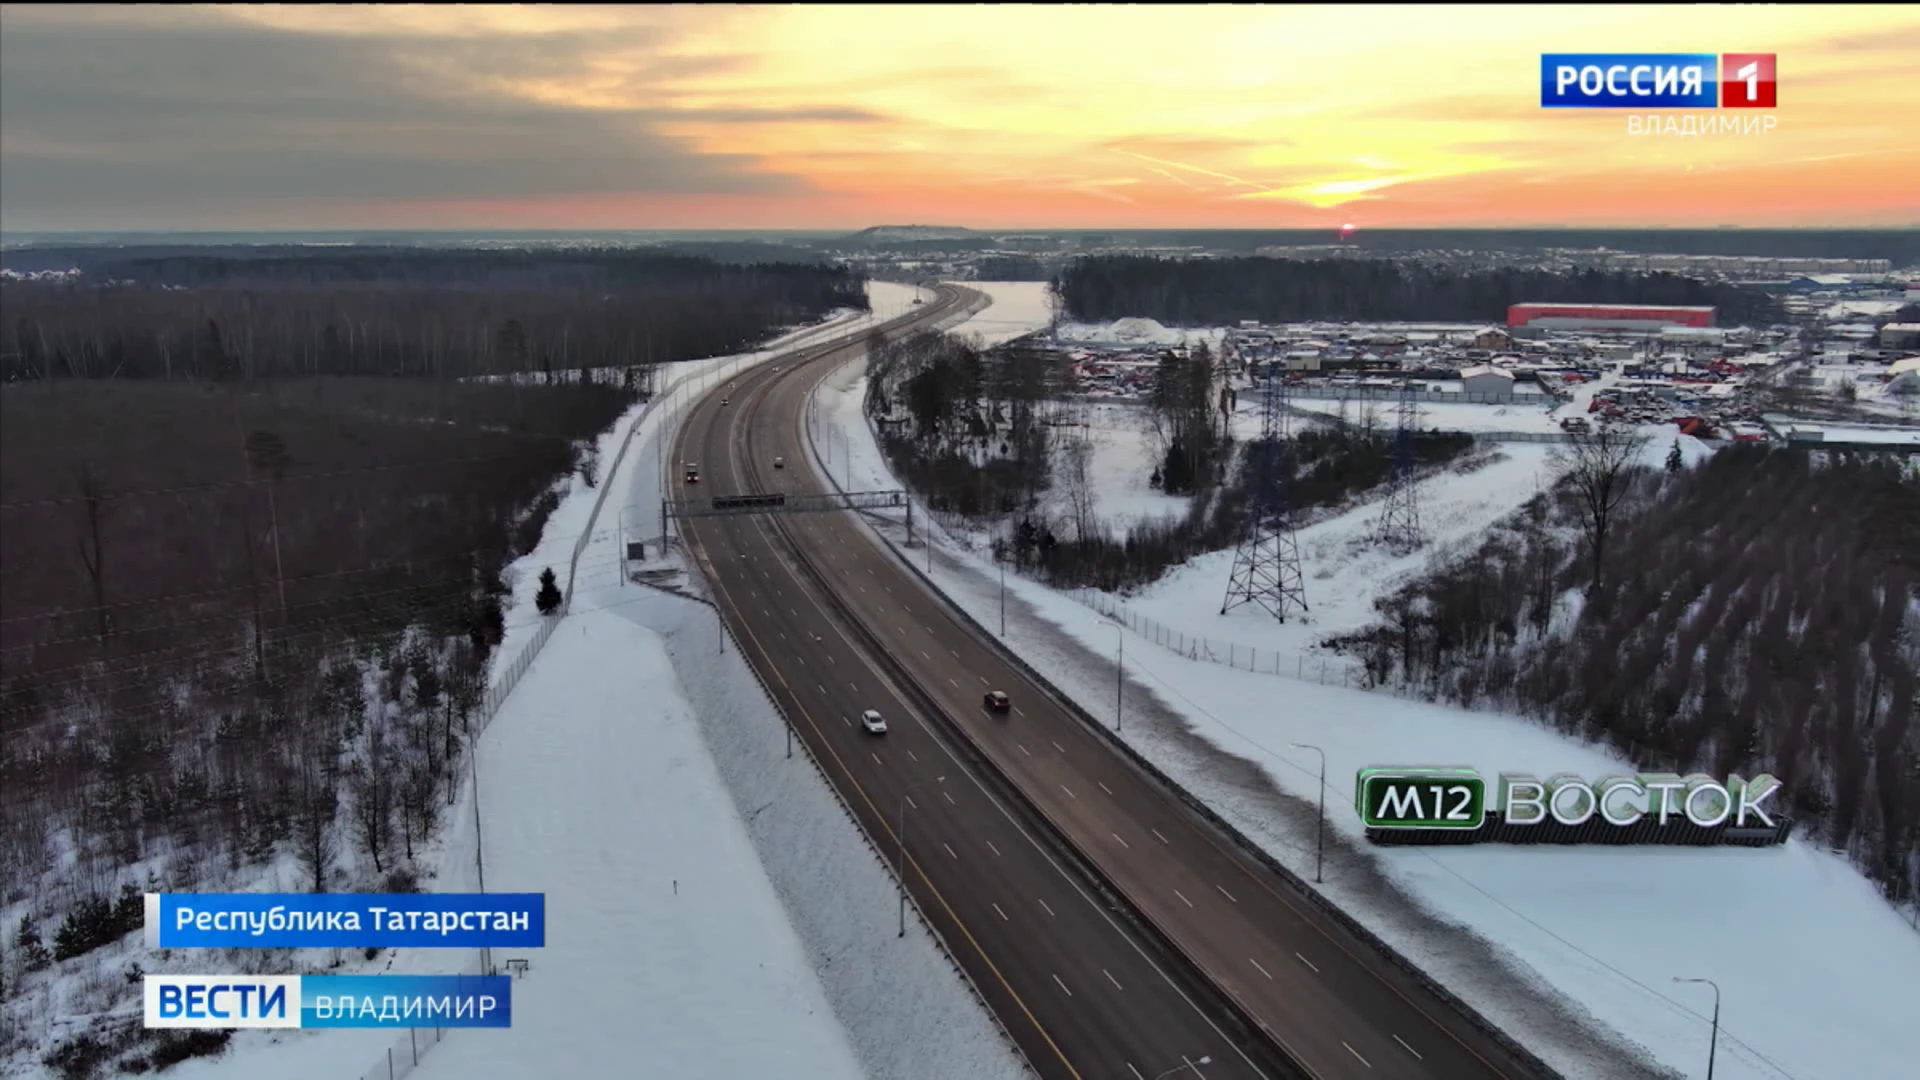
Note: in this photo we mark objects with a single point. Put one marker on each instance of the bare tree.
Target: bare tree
(373, 792)
(1596, 464)
(316, 802)
(1076, 455)
(92, 550)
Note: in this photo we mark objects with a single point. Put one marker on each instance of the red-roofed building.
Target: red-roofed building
(1641, 318)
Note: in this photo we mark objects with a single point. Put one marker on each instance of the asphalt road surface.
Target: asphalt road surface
(978, 805)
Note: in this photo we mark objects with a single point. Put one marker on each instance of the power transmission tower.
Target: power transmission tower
(1266, 565)
(1399, 526)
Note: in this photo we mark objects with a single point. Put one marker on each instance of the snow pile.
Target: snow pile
(1554, 939)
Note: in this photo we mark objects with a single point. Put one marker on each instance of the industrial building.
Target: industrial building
(1900, 335)
(1487, 384)
(1631, 318)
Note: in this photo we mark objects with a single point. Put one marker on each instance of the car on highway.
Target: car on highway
(779, 462)
(723, 401)
(997, 701)
(873, 723)
(693, 473)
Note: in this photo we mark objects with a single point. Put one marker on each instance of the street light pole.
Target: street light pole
(1320, 838)
(1713, 1048)
(1119, 677)
(1185, 1064)
(900, 860)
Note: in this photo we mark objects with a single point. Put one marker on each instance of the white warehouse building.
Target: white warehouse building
(1485, 383)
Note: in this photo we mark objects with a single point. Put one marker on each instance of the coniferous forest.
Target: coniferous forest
(1219, 292)
(1758, 613)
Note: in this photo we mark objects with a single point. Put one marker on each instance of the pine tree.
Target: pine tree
(1674, 461)
(548, 598)
(26, 941)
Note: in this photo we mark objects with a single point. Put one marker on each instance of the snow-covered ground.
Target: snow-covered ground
(1019, 308)
(1539, 415)
(1819, 973)
(669, 953)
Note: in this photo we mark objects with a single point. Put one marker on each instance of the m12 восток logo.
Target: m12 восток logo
(1658, 80)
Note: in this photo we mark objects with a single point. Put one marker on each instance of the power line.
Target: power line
(291, 478)
(399, 565)
(329, 648)
(92, 670)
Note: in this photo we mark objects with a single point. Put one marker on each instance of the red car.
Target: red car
(998, 701)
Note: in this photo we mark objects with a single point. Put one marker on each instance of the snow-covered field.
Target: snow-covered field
(1019, 308)
(1819, 974)
(1533, 416)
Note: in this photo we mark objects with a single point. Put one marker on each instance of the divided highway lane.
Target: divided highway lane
(1335, 1003)
(1082, 998)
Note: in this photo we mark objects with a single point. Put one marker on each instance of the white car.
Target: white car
(872, 722)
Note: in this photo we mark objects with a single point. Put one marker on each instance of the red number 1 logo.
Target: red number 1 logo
(1747, 81)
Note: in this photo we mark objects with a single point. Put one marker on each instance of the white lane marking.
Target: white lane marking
(767, 613)
(955, 685)
(823, 690)
(1163, 839)
(1023, 749)
(1035, 844)
(1123, 842)
(1225, 893)
(924, 656)
(1002, 914)
(876, 759)
(852, 687)
(782, 633)
(956, 655)
(1111, 979)
(1309, 963)
(1183, 898)
(949, 799)
(1063, 986)
(950, 850)
(830, 658)
(990, 847)
(983, 678)
(1058, 747)
(862, 588)
(793, 612)
(1017, 711)
(846, 721)
(1408, 1049)
(1355, 1053)
(910, 754)
(1104, 787)
(910, 801)
(1069, 791)
(1136, 1072)
(1043, 904)
(1257, 967)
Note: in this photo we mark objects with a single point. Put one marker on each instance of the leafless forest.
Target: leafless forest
(1758, 613)
(255, 516)
(984, 434)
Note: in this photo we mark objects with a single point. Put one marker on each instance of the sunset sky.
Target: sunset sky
(715, 117)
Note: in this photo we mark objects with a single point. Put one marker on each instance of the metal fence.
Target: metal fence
(1326, 670)
(404, 1055)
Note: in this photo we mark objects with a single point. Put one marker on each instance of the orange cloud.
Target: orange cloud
(1027, 116)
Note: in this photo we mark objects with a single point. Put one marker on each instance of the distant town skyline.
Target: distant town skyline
(241, 118)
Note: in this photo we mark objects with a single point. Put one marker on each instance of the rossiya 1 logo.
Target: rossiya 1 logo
(1449, 805)
(1659, 80)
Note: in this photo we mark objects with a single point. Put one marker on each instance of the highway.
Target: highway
(1019, 829)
